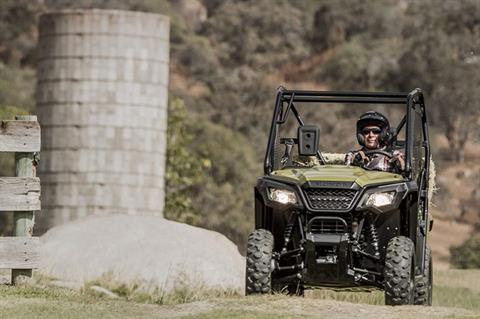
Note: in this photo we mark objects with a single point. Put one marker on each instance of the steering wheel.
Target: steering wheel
(385, 153)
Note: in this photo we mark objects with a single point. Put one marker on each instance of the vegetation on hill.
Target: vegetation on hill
(228, 59)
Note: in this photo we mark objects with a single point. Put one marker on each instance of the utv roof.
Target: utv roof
(349, 97)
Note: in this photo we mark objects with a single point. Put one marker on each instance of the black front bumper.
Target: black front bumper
(327, 261)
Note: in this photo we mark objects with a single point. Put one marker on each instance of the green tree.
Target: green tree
(225, 198)
(275, 33)
(210, 175)
(338, 22)
(357, 66)
(457, 98)
(467, 255)
(18, 30)
(441, 56)
(184, 169)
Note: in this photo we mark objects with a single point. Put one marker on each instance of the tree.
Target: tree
(225, 197)
(441, 43)
(457, 98)
(18, 26)
(184, 168)
(356, 66)
(337, 22)
(275, 33)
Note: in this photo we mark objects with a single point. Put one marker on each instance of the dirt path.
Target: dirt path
(289, 307)
(238, 307)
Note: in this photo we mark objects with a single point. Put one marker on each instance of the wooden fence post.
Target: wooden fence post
(23, 220)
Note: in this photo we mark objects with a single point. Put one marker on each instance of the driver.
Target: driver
(373, 134)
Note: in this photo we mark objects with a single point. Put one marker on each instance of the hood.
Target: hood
(336, 173)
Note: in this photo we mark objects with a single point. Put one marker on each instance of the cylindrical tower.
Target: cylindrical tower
(102, 104)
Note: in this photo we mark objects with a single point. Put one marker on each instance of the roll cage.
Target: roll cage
(410, 100)
(415, 120)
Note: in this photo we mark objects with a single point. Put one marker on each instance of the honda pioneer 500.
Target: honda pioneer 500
(321, 223)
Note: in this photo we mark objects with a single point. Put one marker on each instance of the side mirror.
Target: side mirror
(308, 140)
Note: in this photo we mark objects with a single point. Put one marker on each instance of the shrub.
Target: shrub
(467, 255)
(184, 169)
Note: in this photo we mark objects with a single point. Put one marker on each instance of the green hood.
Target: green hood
(337, 173)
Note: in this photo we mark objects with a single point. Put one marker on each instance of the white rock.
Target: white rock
(104, 291)
(152, 251)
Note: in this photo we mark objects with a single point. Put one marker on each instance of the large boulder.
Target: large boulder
(151, 251)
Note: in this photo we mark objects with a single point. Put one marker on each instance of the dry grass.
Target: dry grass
(375, 297)
(459, 278)
(454, 290)
(183, 292)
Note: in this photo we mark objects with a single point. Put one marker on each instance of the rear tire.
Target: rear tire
(423, 286)
(259, 262)
(399, 272)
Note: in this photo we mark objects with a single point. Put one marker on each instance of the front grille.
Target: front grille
(327, 225)
(330, 198)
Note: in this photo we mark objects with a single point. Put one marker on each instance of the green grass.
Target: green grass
(37, 299)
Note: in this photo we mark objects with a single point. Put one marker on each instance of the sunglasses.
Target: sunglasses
(374, 130)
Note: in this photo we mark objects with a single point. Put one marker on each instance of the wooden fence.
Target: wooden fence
(20, 195)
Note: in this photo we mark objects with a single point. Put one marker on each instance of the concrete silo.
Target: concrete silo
(102, 104)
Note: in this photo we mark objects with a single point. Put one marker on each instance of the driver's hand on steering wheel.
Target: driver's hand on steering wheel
(358, 161)
(398, 161)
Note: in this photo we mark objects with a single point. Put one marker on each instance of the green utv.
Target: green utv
(320, 223)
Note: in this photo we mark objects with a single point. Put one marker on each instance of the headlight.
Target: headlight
(383, 198)
(380, 199)
(282, 196)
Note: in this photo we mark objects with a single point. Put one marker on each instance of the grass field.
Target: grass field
(456, 295)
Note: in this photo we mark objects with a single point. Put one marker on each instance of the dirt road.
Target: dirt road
(456, 295)
(235, 307)
(287, 307)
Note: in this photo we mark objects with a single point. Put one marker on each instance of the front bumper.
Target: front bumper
(327, 261)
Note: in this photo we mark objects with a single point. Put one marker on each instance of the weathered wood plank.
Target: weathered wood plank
(23, 220)
(19, 136)
(19, 252)
(19, 194)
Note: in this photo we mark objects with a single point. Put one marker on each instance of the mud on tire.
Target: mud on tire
(399, 271)
(423, 286)
(259, 258)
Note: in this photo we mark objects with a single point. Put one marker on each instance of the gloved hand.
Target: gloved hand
(398, 162)
(360, 160)
(357, 160)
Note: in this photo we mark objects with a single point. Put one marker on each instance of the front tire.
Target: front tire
(259, 262)
(399, 272)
